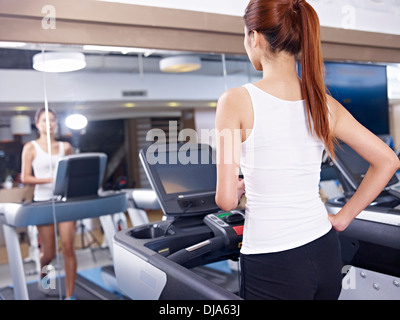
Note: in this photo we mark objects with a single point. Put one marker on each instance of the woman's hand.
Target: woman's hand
(338, 223)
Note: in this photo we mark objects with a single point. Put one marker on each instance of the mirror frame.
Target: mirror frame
(108, 23)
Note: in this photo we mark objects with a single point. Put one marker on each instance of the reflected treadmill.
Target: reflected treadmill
(371, 243)
(77, 183)
(157, 260)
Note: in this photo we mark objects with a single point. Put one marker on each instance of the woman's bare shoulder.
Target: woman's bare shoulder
(67, 147)
(28, 151)
(28, 146)
(235, 98)
(234, 94)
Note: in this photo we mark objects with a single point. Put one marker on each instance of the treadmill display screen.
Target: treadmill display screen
(184, 177)
(191, 175)
(353, 167)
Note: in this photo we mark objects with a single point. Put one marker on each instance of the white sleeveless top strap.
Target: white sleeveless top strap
(281, 164)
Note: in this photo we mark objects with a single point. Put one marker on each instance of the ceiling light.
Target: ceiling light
(129, 105)
(21, 108)
(173, 104)
(7, 44)
(123, 50)
(59, 61)
(20, 124)
(76, 121)
(180, 64)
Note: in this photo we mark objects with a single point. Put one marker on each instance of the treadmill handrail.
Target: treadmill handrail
(185, 284)
(40, 213)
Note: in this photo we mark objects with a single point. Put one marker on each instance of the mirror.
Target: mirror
(120, 91)
(123, 94)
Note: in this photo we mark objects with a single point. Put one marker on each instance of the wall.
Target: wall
(368, 15)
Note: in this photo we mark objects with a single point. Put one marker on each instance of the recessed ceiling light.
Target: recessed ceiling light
(76, 121)
(21, 108)
(179, 64)
(123, 50)
(173, 104)
(7, 44)
(59, 61)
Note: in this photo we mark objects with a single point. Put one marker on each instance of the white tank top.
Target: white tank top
(41, 169)
(281, 163)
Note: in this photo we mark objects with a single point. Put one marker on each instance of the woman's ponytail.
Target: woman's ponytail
(312, 76)
(293, 26)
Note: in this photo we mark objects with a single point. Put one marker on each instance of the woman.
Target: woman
(290, 248)
(36, 170)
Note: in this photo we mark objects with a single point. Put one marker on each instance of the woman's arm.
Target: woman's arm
(383, 163)
(229, 139)
(67, 148)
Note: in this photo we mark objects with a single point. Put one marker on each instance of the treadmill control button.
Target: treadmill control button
(238, 230)
(234, 218)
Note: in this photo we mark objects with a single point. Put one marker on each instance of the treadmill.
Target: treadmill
(371, 243)
(77, 196)
(159, 260)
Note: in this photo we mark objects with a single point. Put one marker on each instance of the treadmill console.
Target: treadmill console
(194, 233)
(229, 226)
(184, 177)
(227, 230)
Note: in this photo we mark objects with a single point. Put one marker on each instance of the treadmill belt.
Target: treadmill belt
(84, 290)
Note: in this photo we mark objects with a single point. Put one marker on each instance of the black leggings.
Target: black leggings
(312, 271)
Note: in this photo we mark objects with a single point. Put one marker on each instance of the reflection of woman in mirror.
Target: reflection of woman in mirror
(36, 170)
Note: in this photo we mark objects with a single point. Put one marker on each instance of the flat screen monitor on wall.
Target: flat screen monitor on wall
(362, 90)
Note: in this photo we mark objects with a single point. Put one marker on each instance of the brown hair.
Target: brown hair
(41, 110)
(293, 26)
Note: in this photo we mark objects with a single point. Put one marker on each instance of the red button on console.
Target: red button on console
(238, 230)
